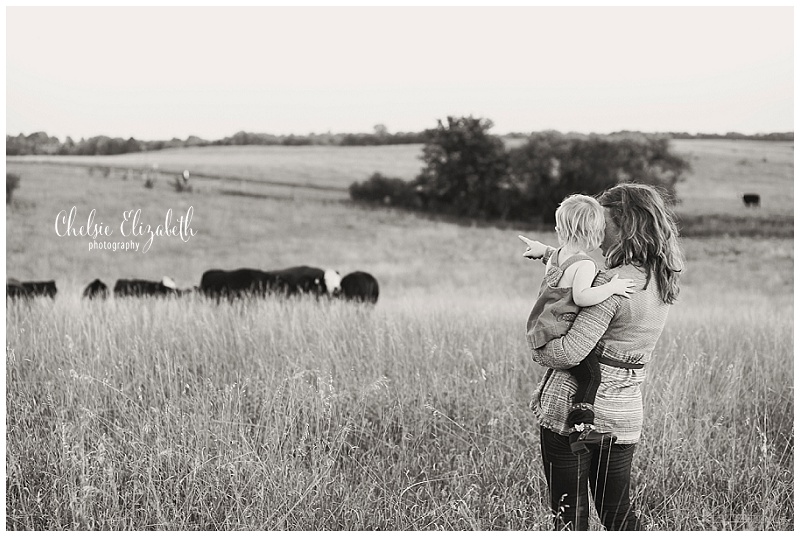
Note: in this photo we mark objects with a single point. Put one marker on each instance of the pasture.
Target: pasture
(722, 170)
(185, 414)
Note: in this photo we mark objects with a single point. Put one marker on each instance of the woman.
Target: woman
(641, 243)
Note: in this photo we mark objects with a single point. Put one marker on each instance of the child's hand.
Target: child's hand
(536, 249)
(622, 286)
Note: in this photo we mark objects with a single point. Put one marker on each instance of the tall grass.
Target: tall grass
(304, 415)
(718, 451)
(187, 414)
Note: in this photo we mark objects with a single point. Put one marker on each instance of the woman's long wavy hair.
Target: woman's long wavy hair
(648, 235)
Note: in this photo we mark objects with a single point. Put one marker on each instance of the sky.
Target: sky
(155, 73)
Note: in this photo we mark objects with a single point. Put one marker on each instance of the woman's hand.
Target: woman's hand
(536, 250)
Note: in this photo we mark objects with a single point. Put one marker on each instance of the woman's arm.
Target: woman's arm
(589, 326)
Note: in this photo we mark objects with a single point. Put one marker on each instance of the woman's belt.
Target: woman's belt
(615, 363)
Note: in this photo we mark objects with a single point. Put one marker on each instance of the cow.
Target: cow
(751, 200)
(360, 287)
(44, 288)
(165, 287)
(303, 279)
(96, 289)
(18, 289)
(291, 281)
(15, 289)
(236, 283)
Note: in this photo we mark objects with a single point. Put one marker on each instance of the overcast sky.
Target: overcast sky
(159, 73)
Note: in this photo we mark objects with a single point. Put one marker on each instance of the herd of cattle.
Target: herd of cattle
(230, 284)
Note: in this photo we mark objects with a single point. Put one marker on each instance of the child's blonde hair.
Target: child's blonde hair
(580, 222)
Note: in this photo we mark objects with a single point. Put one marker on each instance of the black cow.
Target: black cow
(32, 289)
(751, 200)
(360, 287)
(15, 289)
(96, 289)
(145, 288)
(291, 281)
(46, 288)
(18, 289)
(236, 283)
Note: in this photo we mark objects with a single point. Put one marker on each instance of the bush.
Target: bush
(551, 166)
(385, 190)
(12, 183)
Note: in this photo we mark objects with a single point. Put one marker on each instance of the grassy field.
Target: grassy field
(185, 414)
(333, 167)
(723, 170)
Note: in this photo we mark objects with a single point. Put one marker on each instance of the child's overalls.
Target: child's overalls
(555, 309)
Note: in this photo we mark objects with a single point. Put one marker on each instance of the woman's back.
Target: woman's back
(637, 324)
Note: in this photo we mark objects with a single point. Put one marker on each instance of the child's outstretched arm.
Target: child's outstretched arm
(536, 249)
(584, 295)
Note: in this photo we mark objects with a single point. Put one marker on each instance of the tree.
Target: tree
(465, 168)
(132, 146)
(68, 148)
(381, 131)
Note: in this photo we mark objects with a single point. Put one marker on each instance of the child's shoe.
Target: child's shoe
(586, 434)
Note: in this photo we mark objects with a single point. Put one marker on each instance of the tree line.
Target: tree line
(470, 173)
(39, 143)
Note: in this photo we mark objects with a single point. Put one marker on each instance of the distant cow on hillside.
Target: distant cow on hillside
(360, 287)
(96, 289)
(18, 289)
(291, 281)
(165, 287)
(751, 200)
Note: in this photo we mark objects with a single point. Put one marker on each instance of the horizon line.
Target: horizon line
(330, 133)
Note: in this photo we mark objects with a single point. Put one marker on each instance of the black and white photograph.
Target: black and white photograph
(399, 268)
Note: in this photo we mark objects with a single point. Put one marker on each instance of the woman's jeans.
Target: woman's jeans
(569, 475)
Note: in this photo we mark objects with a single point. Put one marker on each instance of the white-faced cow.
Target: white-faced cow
(18, 289)
(360, 287)
(165, 287)
(751, 200)
(311, 280)
(291, 281)
(96, 289)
